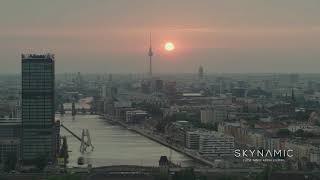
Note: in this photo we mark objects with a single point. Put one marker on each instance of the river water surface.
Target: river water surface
(115, 145)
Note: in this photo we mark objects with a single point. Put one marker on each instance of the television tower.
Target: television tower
(200, 73)
(150, 54)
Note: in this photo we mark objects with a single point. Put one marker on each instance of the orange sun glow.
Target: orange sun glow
(169, 46)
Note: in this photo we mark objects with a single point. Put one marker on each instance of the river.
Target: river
(115, 145)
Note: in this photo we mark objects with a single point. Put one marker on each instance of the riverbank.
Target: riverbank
(115, 145)
(159, 140)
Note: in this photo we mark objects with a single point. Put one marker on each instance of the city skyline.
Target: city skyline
(159, 90)
(112, 36)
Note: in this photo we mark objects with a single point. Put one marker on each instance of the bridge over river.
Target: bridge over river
(115, 145)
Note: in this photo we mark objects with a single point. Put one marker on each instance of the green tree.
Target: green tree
(299, 133)
(203, 177)
(225, 178)
(265, 174)
(187, 174)
(284, 132)
(2, 177)
(65, 177)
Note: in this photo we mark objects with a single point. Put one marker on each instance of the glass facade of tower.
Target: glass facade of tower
(38, 131)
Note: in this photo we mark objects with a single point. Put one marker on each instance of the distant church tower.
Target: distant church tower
(150, 54)
(200, 73)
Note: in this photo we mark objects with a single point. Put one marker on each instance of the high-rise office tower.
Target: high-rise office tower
(38, 129)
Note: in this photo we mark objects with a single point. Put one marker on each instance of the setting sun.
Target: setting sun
(169, 46)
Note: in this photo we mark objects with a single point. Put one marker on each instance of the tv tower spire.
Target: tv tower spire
(150, 54)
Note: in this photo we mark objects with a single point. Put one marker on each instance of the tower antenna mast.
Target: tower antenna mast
(150, 54)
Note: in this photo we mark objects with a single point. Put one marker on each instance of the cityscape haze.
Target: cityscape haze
(159, 90)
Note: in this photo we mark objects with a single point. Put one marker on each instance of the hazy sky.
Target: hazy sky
(112, 35)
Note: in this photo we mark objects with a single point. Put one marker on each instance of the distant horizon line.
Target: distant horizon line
(176, 73)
